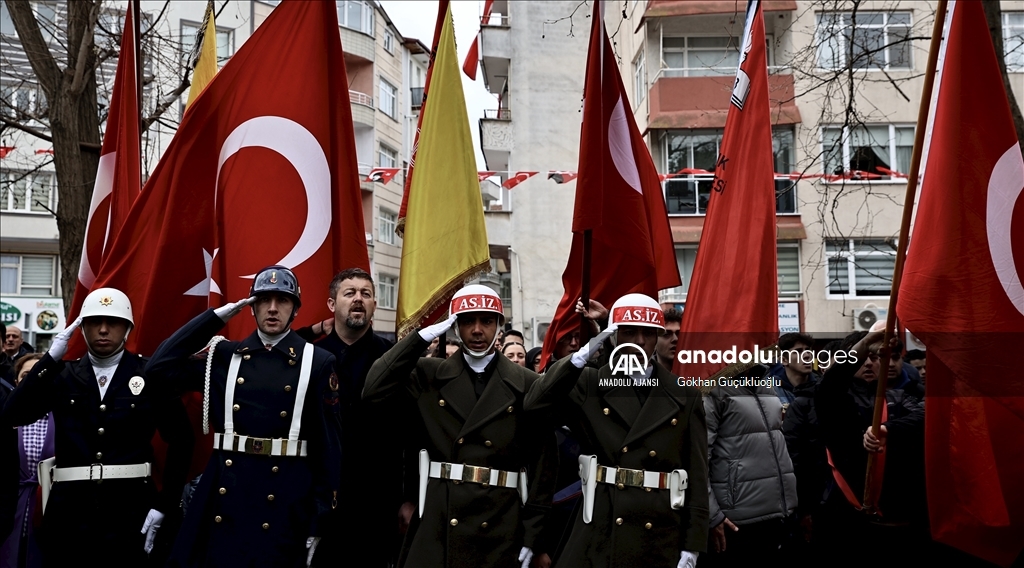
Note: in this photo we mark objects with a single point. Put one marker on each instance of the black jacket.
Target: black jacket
(806, 448)
(232, 519)
(844, 407)
(104, 518)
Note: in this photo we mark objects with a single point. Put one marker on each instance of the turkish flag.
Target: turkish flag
(618, 198)
(561, 176)
(733, 295)
(481, 176)
(517, 178)
(382, 175)
(961, 295)
(118, 179)
(261, 171)
(469, 66)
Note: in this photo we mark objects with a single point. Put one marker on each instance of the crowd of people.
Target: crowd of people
(333, 446)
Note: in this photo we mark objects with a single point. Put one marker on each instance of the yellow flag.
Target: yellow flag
(445, 240)
(206, 65)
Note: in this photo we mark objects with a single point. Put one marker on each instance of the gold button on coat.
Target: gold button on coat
(99, 455)
(605, 411)
(246, 356)
(284, 414)
(240, 380)
(291, 361)
(620, 486)
(648, 526)
(509, 409)
(454, 522)
(440, 402)
(674, 422)
(103, 408)
(483, 525)
(236, 408)
(274, 469)
(287, 388)
(460, 440)
(488, 443)
(270, 497)
(618, 521)
(218, 519)
(266, 526)
(100, 431)
(626, 449)
(228, 463)
(222, 490)
(653, 453)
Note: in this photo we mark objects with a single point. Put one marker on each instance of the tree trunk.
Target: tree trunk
(73, 119)
(994, 16)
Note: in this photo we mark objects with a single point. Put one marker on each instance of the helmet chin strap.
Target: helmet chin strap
(476, 354)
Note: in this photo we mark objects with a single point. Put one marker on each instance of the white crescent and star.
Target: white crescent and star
(1004, 188)
(103, 187)
(303, 151)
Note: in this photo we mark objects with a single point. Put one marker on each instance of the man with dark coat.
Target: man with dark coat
(484, 486)
(105, 414)
(369, 435)
(644, 448)
(273, 404)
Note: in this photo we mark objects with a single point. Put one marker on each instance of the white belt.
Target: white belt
(99, 472)
(474, 474)
(259, 446)
(623, 477)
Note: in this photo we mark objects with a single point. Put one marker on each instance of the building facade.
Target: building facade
(836, 235)
(386, 73)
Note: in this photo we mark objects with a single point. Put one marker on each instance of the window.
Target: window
(387, 157)
(356, 15)
(788, 268)
(27, 275)
(860, 267)
(386, 291)
(388, 99)
(639, 78)
(386, 221)
(1013, 41)
(190, 34)
(875, 149)
(27, 191)
(698, 149)
(22, 101)
(697, 56)
(879, 40)
(389, 41)
(6, 23)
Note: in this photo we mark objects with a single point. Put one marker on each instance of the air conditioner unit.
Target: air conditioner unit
(864, 318)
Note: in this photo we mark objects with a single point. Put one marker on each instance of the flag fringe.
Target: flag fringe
(444, 295)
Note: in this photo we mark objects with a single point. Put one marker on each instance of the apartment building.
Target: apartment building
(836, 236)
(386, 73)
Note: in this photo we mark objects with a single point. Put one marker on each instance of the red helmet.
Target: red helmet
(639, 310)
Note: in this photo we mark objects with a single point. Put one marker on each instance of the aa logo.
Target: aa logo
(632, 362)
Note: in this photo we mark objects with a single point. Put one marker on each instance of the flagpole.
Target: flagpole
(873, 480)
(136, 27)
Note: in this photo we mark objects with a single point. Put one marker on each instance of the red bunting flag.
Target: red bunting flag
(518, 178)
(561, 176)
(961, 295)
(734, 289)
(618, 198)
(382, 175)
(481, 176)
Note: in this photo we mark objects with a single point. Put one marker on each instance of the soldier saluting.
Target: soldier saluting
(105, 413)
(273, 403)
(644, 446)
(483, 487)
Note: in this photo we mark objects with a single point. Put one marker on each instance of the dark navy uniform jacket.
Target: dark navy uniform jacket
(256, 510)
(86, 519)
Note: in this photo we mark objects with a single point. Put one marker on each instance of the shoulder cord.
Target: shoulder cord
(212, 345)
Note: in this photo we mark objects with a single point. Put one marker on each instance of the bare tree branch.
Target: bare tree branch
(84, 48)
(46, 69)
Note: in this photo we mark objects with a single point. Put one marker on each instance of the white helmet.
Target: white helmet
(477, 298)
(107, 302)
(639, 310)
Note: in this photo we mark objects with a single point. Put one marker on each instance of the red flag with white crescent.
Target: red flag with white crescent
(118, 179)
(382, 175)
(961, 295)
(517, 178)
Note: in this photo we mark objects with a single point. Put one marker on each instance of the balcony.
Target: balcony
(689, 195)
(496, 138)
(495, 56)
(357, 43)
(362, 108)
(416, 97)
(679, 101)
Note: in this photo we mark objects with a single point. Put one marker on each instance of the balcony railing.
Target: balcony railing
(496, 20)
(364, 169)
(724, 71)
(360, 98)
(498, 114)
(689, 195)
(416, 96)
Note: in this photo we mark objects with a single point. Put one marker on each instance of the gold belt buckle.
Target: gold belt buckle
(476, 474)
(258, 446)
(630, 477)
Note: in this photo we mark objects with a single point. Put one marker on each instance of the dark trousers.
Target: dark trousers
(755, 544)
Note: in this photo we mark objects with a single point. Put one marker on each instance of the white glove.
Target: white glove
(579, 358)
(687, 559)
(432, 332)
(311, 543)
(60, 341)
(525, 556)
(231, 310)
(153, 521)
